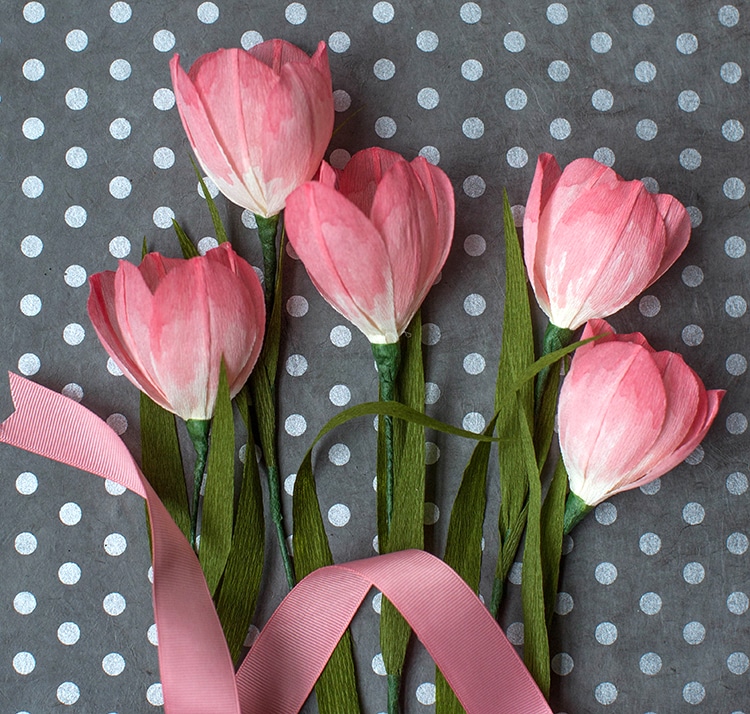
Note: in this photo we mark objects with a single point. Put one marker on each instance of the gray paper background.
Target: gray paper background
(652, 616)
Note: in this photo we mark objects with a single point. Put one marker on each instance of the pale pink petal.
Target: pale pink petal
(275, 53)
(345, 257)
(363, 173)
(155, 266)
(327, 175)
(545, 178)
(598, 326)
(677, 225)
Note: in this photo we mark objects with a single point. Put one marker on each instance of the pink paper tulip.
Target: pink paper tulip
(168, 322)
(593, 241)
(374, 246)
(628, 414)
(259, 121)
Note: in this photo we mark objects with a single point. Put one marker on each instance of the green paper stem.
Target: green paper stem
(555, 338)
(198, 431)
(576, 509)
(267, 229)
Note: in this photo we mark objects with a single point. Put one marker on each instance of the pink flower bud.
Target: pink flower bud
(593, 241)
(628, 414)
(168, 322)
(259, 121)
(374, 246)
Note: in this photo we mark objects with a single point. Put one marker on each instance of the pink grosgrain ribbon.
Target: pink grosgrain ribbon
(281, 669)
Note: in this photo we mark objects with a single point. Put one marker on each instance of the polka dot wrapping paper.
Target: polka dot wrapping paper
(652, 614)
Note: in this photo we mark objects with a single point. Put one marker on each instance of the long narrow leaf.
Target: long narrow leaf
(553, 516)
(186, 245)
(218, 500)
(242, 577)
(221, 234)
(161, 460)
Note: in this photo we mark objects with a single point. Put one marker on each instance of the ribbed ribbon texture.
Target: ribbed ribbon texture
(280, 670)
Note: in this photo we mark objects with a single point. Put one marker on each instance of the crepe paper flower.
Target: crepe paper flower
(374, 245)
(168, 323)
(593, 241)
(627, 415)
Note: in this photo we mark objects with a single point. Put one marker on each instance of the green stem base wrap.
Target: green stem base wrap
(555, 338)
(198, 430)
(267, 228)
(394, 687)
(388, 360)
(576, 509)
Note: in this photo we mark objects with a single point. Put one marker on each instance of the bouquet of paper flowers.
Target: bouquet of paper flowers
(200, 337)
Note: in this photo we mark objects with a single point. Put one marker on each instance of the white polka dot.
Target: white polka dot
(120, 187)
(694, 633)
(731, 72)
(69, 573)
(690, 159)
(738, 663)
(383, 12)
(296, 365)
(114, 604)
(385, 127)
(152, 635)
(646, 129)
(68, 633)
(76, 98)
(431, 514)
(33, 12)
(732, 130)
(558, 70)
(163, 99)
(605, 573)
(472, 70)
(340, 336)
(564, 603)
(115, 544)
(340, 395)
(693, 573)
(119, 247)
(384, 69)
(559, 128)
(602, 100)
(75, 216)
(688, 100)
(601, 42)
(24, 663)
(338, 42)
(604, 155)
(113, 664)
(29, 364)
(68, 693)
(729, 15)
(70, 513)
(474, 186)
(475, 245)
(737, 483)
(207, 243)
(33, 128)
(74, 334)
(474, 305)
(605, 513)
(693, 514)
(470, 13)
(692, 335)
(557, 13)
(76, 157)
(431, 393)
(605, 633)
(77, 40)
(72, 391)
(297, 306)
(645, 72)
(339, 454)
(651, 488)
(120, 128)
(650, 663)
(473, 128)
(515, 633)
(378, 666)
(32, 187)
(120, 12)
(289, 482)
(736, 365)
(474, 422)
(24, 603)
(430, 154)
(514, 41)
(650, 603)
(430, 334)
(737, 543)
(692, 276)
(693, 693)
(155, 695)
(163, 216)
(515, 574)
(208, 13)
(643, 15)
(515, 98)
(562, 664)
(517, 157)
(605, 693)
(687, 43)
(113, 369)
(164, 40)
(341, 100)
(474, 363)
(735, 306)
(427, 41)
(26, 483)
(428, 98)
(25, 543)
(120, 70)
(30, 305)
(339, 515)
(696, 456)
(649, 306)
(32, 246)
(426, 693)
(734, 188)
(118, 423)
(736, 423)
(295, 425)
(431, 453)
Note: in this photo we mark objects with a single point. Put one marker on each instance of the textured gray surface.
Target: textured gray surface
(85, 117)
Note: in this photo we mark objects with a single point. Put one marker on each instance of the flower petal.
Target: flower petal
(363, 173)
(677, 225)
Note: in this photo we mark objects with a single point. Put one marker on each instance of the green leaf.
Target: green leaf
(221, 234)
(553, 512)
(517, 353)
(544, 424)
(463, 548)
(188, 249)
(407, 521)
(161, 460)
(218, 500)
(242, 577)
(535, 639)
(534, 368)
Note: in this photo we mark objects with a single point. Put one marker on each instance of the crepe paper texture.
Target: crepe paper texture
(593, 241)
